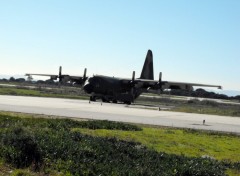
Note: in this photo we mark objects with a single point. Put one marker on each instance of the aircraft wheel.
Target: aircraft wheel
(92, 98)
(103, 99)
(114, 101)
(127, 102)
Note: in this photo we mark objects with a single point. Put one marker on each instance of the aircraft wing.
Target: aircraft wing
(63, 78)
(155, 85)
(185, 86)
(51, 76)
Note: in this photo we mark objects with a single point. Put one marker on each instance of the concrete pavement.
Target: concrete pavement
(117, 112)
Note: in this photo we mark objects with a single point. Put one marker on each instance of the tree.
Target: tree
(12, 79)
(20, 80)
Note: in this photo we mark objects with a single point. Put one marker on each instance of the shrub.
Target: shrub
(19, 148)
(51, 144)
(109, 125)
(21, 173)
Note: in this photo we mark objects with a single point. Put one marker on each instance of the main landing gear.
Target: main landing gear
(92, 98)
(104, 99)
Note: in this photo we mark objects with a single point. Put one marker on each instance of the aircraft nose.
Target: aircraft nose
(88, 88)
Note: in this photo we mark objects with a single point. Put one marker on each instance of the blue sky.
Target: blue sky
(192, 41)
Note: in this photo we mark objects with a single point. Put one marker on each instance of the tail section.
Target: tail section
(147, 71)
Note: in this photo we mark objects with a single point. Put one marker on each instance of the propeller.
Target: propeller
(160, 77)
(159, 83)
(60, 74)
(133, 76)
(65, 78)
(84, 74)
(132, 84)
(62, 78)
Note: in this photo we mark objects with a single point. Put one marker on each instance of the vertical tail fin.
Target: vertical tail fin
(147, 71)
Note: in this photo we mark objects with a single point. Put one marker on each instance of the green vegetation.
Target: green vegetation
(193, 106)
(179, 141)
(209, 110)
(104, 124)
(17, 91)
(209, 107)
(66, 147)
(40, 92)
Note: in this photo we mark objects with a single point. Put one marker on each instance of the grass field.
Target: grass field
(193, 106)
(179, 141)
(40, 93)
(38, 145)
(225, 110)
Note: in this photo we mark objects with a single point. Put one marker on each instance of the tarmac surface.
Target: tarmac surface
(117, 112)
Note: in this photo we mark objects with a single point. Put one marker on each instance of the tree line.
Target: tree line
(202, 93)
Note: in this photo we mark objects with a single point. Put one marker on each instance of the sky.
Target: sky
(192, 41)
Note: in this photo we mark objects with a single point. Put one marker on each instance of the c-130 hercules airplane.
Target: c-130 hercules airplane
(121, 89)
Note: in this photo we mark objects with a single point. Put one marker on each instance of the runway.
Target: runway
(117, 112)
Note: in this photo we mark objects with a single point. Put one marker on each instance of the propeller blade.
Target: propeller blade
(60, 71)
(160, 77)
(132, 84)
(133, 76)
(60, 74)
(84, 74)
(132, 93)
(159, 84)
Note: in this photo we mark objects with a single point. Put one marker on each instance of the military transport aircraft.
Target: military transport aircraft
(123, 89)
